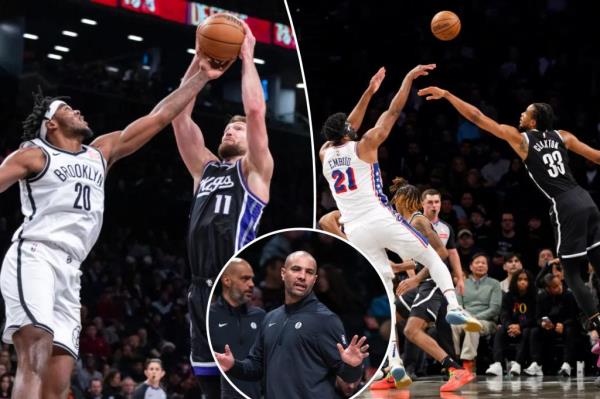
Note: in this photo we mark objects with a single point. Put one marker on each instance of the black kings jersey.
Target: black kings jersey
(224, 217)
(548, 162)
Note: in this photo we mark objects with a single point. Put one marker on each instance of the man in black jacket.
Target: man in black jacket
(233, 320)
(298, 349)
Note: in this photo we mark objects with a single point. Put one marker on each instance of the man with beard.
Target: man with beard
(229, 197)
(62, 200)
(298, 350)
(235, 321)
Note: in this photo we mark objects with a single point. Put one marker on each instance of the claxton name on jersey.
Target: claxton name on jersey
(79, 171)
(540, 145)
(210, 184)
(341, 161)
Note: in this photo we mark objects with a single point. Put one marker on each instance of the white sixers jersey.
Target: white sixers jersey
(63, 205)
(355, 184)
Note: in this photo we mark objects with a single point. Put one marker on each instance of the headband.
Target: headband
(52, 108)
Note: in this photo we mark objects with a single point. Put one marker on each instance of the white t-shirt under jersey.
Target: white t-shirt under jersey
(63, 205)
(355, 184)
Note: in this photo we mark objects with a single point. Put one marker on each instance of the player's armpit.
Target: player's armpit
(23, 163)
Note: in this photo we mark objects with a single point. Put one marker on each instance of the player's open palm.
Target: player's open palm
(432, 93)
(421, 70)
(377, 79)
(355, 353)
(226, 360)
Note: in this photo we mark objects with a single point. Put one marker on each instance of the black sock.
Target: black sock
(448, 362)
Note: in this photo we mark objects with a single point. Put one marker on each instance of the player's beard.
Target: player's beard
(227, 150)
(84, 132)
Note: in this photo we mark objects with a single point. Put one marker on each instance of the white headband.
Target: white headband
(54, 105)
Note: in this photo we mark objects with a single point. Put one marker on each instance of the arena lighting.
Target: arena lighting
(54, 56)
(191, 51)
(61, 48)
(135, 38)
(88, 21)
(259, 61)
(146, 67)
(30, 36)
(69, 33)
(112, 69)
(300, 86)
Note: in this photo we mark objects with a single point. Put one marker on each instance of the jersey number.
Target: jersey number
(555, 163)
(340, 179)
(223, 204)
(83, 197)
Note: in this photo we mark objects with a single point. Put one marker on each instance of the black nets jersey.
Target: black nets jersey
(548, 163)
(223, 218)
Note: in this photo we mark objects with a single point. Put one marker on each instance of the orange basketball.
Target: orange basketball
(220, 37)
(445, 25)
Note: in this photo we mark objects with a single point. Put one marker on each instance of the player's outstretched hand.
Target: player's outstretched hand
(211, 67)
(432, 93)
(421, 70)
(355, 353)
(226, 360)
(247, 49)
(376, 80)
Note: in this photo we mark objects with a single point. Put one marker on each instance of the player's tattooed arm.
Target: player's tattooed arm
(119, 144)
(358, 113)
(579, 147)
(424, 226)
(21, 164)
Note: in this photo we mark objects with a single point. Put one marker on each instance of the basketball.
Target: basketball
(445, 25)
(220, 37)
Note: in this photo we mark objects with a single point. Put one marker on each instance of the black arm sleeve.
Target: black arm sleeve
(332, 335)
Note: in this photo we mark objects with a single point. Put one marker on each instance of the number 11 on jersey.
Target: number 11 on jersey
(340, 180)
(223, 204)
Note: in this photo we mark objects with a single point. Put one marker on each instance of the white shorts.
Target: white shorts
(381, 230)
(40, 286)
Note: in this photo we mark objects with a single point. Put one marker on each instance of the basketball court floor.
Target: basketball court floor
(496, 387)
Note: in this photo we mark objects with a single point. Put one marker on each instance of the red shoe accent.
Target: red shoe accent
(469, 365)
(384, 383)
(458, 378)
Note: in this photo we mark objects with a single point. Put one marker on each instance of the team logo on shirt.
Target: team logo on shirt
(253, 325)
(210, 184)
(298, 325)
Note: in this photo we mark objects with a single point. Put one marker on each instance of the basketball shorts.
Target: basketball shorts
(40, 286)
(201, 356)
(576, 221)
(424, 302)
(380, 230)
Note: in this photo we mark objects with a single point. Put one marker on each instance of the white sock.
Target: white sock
(440, 274)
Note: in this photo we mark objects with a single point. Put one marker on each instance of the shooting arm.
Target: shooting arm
(358, 113)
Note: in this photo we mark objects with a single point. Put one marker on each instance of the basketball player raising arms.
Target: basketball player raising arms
(229, 197)
(543, 150)
(62, 200)
(351, 168)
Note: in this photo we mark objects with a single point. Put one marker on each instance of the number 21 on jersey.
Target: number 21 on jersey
(340, 184)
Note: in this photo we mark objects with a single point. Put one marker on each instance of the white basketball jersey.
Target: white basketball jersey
(355, 184)
(63, 205)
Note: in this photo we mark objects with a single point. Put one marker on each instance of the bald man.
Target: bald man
(301, 346)
(235, 322)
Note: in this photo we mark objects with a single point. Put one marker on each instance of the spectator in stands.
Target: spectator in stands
(151, 389)
(493, 171)
(512, 265)
(112, 384)
(5, 360)
(552, 267)
(127, 388)
(482, 298)
(482, 233)
(95, 389)
(466, 247)
(556, 322)
(545, 255)
(508, 240)
(88, 372)
(93, 343)
(6, 386)
(517, 318)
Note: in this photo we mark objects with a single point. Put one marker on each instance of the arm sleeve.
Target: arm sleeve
(334, 334)
(252, 367)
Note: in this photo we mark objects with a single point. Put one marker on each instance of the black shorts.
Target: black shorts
(424, 302)
(201, 355)
(576, 221)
